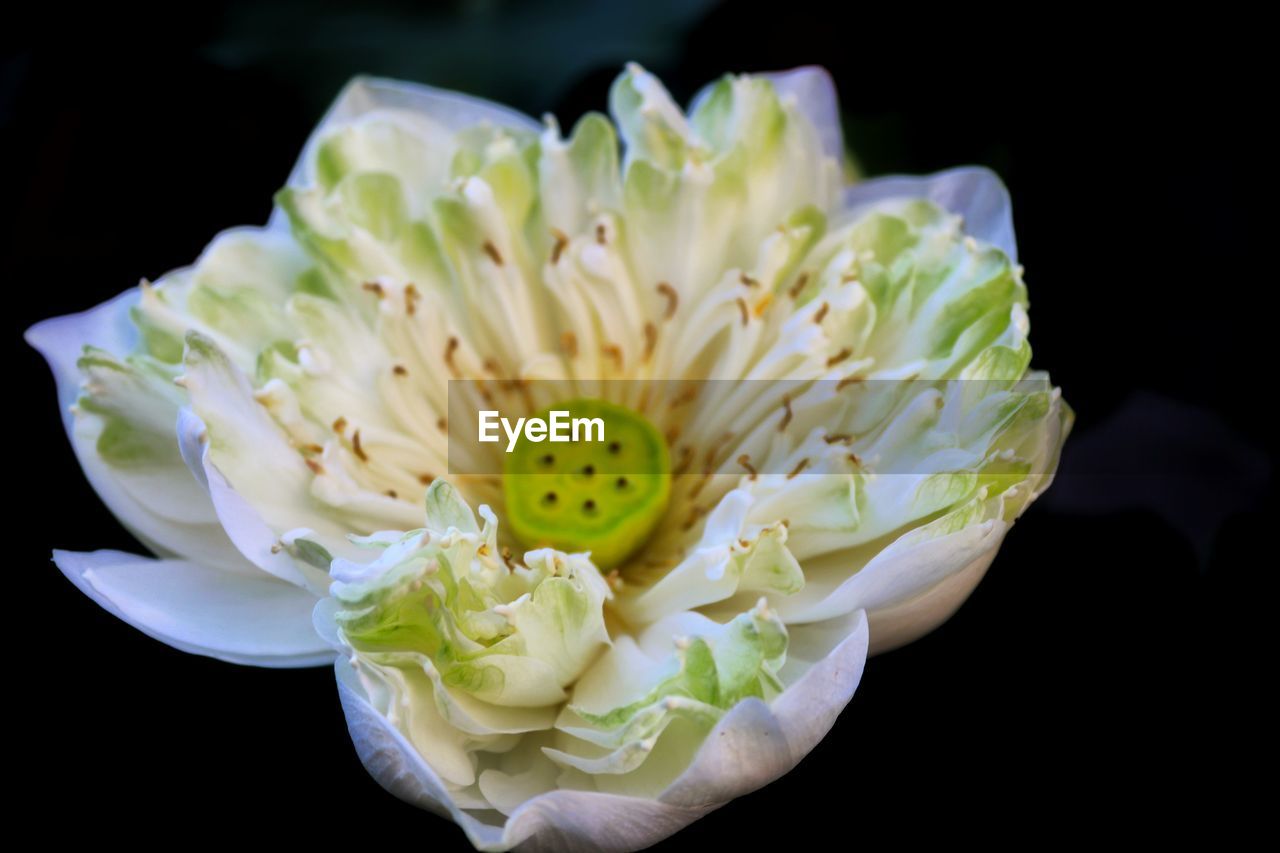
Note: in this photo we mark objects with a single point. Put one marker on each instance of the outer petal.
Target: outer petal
(898, 624)
(907, 589)
(815, 94)
(237, 618)
(368, 94)
(751, 746)
(61, 339)
(180, 533)
(974, 192)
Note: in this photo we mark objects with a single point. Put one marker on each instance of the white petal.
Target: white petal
(585, 821)
(898, 574)
(751, 746)
(187, 528)
(251, 534)
(61, 340)
(974, 192)
(815, 95)
(367, 94)
(909, 620)
(393, 762)
(259, 621)
(271, 493)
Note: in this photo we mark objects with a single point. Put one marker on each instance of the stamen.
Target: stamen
(449, 349)
(839, 357)
(316, 467)
(686, 395)
(748, 280)
(821, 313)
(442, 424)
(746, 312)
(673, 299)
(804, 463)
(426, 479)
(600, 234)
(650, 339)
(686, 457)
(856, 460)
(569, 343)
(700, 485)
(695, 513)
(745, 461)
(340, 424)
(411, 297)
(492, 251)
(400, 370)
(714, 449)
(842, 437)
(373, 287)
(786, 418)
(796, 288)
(847, 381)
(562, 242)
(356, 448)
(613, 351)
(391, 493)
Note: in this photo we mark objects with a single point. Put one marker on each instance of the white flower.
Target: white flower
(264, 417)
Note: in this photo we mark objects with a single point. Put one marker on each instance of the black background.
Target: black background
(1094, 680)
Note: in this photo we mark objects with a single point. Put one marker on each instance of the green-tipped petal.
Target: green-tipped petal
(711, 669)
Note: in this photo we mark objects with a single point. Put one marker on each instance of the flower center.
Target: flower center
(601, 493)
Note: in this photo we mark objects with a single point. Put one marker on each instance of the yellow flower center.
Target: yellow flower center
(604, 492)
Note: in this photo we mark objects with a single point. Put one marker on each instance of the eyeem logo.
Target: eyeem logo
(558, 427)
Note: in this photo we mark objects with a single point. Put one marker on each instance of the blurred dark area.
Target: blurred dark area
(1100, 677)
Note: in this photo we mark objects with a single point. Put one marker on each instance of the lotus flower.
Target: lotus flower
(269, 420)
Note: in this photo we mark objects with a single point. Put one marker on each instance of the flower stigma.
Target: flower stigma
(605, 497)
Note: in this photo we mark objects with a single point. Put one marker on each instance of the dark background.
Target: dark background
(1096, 679)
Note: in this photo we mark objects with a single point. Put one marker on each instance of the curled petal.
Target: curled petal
(364, 95)
(815, 95)
(974, 192)
(238, 618)
(182, 522)
(729, 559)
(752, 745)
